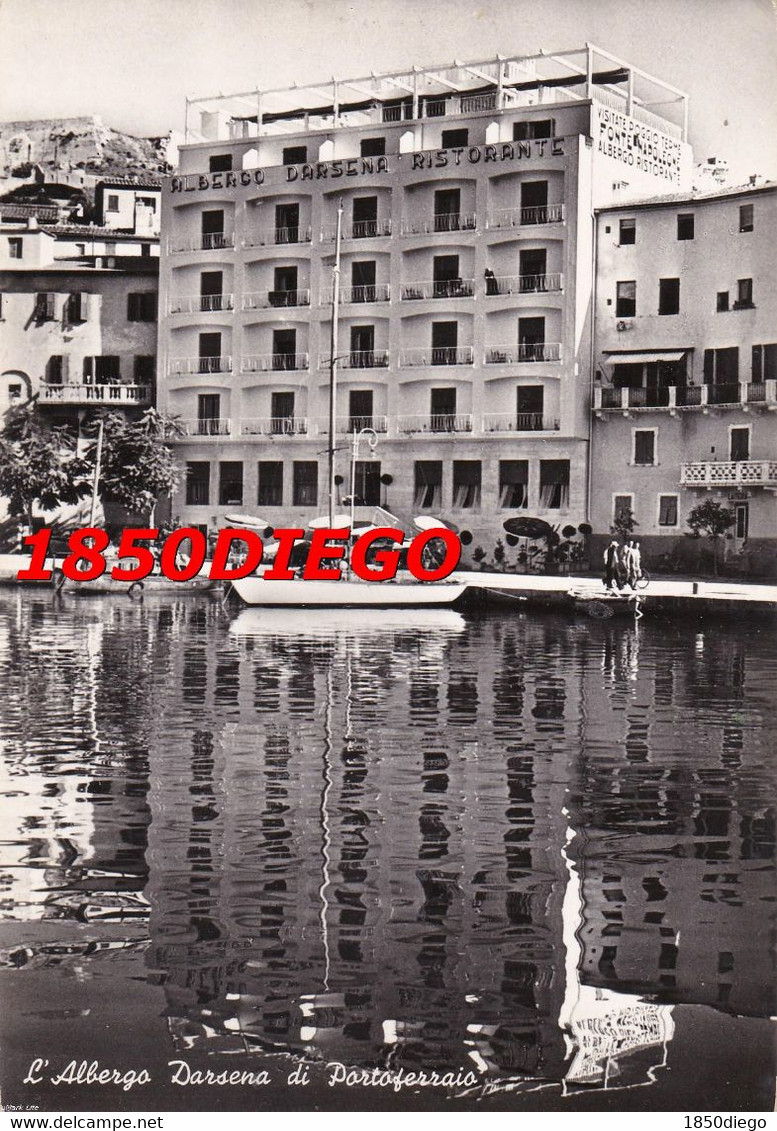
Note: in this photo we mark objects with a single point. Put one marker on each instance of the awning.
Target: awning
(643, 358)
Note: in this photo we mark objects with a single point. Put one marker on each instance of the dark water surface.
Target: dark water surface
(534, 855)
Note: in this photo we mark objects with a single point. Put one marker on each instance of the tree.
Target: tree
(39, 464)
(712, 519)
(137, 464)
(623, 523)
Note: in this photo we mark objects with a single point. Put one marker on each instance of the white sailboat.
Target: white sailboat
(345, 592)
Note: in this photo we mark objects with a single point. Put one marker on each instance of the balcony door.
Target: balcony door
(282, 413)
(447, 210)
(446, 276)
(287, 223)
(530, 403)
(365, 217)
(363, 280)
(443, 410)
(532, 269)
(445, 338)
(213, 224)
(211, 290)
(534, 202)
(360, 411)
(739, 444)
(284, 349)
(284, 292)
(362, 347)
(210, 352)
(208, 414)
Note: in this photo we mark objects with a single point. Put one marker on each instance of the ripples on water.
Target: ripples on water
(519, 844)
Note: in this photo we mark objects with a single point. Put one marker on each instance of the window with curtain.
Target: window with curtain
(466, 483)
(428, 485)
(514, 483)
(554, 484)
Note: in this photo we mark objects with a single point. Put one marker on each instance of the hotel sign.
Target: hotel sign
(636, 145)
(500, 153)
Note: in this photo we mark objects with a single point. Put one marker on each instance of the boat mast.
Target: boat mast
(97, 469)
(333, 361)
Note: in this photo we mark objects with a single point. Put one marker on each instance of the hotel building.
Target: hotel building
(465, 326)
(686, 359)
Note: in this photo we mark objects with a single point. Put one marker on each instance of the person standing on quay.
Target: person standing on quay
(611, 564)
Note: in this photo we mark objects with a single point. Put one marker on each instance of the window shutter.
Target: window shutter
(50, 305)
(64, 368)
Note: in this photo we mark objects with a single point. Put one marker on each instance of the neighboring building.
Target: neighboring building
(465, 325)
(129, 204)
(77, 318)
(686, 357)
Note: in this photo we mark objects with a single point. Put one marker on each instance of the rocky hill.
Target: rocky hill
(81, 146)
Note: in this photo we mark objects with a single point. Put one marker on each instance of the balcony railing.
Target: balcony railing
(437, 355)
(439, 288)
(440, 222)
(206, 427)
(206, 241)
(87, 394)
(525, 351)
(437, 423)
(268, 236)
(274, 426)
(731, 473)
(358, 230)
(201, 304)
(519, 422)
(687, 396)
(351, 424)
(264, 300)
(267, 362)
(368, 292)
(180, 366)
(357, 359)
(523, 284)
(518, 217)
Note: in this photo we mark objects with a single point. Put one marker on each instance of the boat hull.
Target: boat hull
(346, 594)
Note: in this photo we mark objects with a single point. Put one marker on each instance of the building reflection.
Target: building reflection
(465, 843)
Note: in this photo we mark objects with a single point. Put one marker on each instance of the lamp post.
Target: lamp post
(372, 439)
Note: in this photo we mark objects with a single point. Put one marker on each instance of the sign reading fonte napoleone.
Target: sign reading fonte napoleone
(636, 145)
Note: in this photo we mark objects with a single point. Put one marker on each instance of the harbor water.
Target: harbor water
(387, 860)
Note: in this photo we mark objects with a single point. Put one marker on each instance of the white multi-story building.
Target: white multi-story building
(686, 355)
(465, 337)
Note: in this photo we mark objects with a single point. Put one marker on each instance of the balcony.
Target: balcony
(210, 241)
(674, 397)
(440, 222)
(212, 427)
(347, 425)
(437, 355)
(357, 359)
(280, 236)
(265, 300)
(524, 284)
(438, 288)
(439, 424)
(370, 292)
(519, 422)
(274, 426)
(270, 362)
(201, 304)
(181, 366)
(358, 230)
(498, 218)
(91, 394)
(732, 473)
(524, 351)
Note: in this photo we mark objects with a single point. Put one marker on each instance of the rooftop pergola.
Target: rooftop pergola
(481, 86)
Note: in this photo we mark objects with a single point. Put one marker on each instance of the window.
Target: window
(627, 231)
(529, 406)
(744, 294)
(55, 369)
(466, 483)
(442, 410)
(455, 139)
(220, 163)
(367, 482)
(77, 308)
(528, 130)
(514, 483)
(198, 484)
(739, 443)
(287, 223)
(210, 352)
(534, 202)
(722, 301)
(447, 210)
(305, 486)
(113, 202)
(45, 307)
(626, 299)
(668, 296)
(765, 363)
(282, 413)
(360, 409)
(644, 446)
(230, 483)
(745, 217)
(741, 514)
(270, 483)
(721, 366)
(14, 392)
(372, 146)
(428, 485)
(15, 247)
(554, 484)
(212, 221)
(284, 349)
(667, 510)
(209, 414)
(106, 368)
(141, 307)
(363, 280)
(685, 227)
(622, 505)
(143, 368)
(445, 336)
(295, 154)
(364, 217)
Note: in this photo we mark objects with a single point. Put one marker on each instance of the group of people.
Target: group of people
(622, 564)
